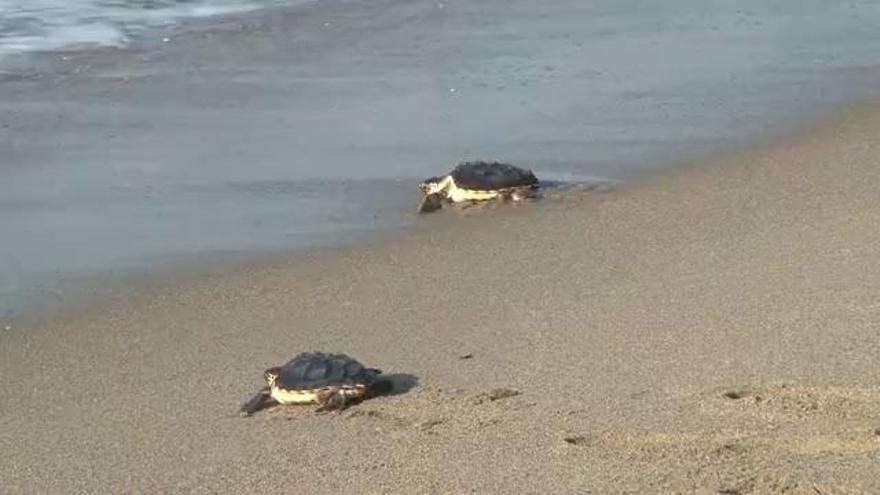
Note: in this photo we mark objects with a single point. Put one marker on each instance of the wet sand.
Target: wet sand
(712, 329)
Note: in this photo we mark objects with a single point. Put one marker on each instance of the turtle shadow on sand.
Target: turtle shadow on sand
(394, 384)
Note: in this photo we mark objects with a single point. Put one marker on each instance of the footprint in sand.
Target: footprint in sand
(578, 440)
(496, 394)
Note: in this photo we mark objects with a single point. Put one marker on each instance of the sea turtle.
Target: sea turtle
(332, 381)
(478, 181)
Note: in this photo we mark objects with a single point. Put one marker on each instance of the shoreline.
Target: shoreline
(200, 272)
(106, 292)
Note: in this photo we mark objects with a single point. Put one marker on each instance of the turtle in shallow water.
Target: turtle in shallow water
(333, 381)
(478, 181)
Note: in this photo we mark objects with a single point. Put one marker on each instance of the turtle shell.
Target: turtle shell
(489, 176)
(318, 370)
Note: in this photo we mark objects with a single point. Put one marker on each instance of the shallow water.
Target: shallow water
(310, 136)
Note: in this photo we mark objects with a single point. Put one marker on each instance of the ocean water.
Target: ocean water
(312, 126)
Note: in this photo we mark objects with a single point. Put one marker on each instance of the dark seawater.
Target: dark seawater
(295, 139)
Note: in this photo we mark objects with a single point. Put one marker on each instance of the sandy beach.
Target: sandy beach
(712, 329)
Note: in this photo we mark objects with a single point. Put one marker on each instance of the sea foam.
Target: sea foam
(61, 25)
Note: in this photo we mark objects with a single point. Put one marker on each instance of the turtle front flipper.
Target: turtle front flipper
(432, 202)
(261, 400)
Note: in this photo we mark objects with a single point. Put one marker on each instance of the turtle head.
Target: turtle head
(271, 375)
(433, 185)
(436, 189)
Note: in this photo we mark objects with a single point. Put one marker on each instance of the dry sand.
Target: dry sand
(711, 330)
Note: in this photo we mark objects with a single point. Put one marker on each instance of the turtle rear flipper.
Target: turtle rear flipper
(333, 402)
(339, 399)
(261, 400)
(521, 193)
